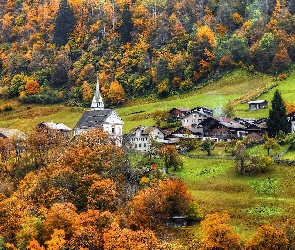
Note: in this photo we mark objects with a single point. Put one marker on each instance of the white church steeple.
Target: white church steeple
(97, 102)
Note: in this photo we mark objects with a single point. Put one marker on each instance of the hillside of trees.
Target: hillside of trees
(53, 51)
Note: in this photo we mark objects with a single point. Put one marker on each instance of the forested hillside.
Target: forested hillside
(51, 51)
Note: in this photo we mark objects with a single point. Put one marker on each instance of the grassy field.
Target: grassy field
(251, 200)
(237, 86)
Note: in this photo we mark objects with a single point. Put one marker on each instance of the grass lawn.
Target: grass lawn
(251, 200)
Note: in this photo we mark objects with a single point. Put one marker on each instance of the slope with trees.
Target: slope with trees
(145, 47)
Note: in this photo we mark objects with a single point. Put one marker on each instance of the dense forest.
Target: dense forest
(53, 51)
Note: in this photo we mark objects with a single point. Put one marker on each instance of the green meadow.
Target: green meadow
(237, 87)
(251, 200)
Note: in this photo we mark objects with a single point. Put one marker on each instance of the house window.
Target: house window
(113, 130)
(139, 145)
(144, 145)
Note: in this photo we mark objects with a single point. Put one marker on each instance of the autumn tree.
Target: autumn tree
(116, 238)
(241, 157)
(155, 205)
(270, 143)
(32, 87)
(60, 216)
(171, 157)
(116, 93)
(218, 234)
(102, 195)
(267, 238)
(65, 22)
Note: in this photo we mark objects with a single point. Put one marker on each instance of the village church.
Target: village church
(98, 116)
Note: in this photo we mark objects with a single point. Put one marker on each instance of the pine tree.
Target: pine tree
(127, 25)
(64, 23)
(277, 119)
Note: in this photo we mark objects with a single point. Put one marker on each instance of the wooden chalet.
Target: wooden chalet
(222, 129)
(253, 125)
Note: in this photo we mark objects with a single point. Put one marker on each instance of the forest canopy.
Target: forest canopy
(137, 48)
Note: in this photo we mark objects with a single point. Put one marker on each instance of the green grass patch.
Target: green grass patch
(264, 211)
(264, 186)
(258, 150)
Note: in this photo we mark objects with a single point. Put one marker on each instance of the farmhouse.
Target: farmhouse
(179, 112)
(194, 117)
(252, 125)
(222, 129)
(141, 136)
(259, 104)
(98, 117)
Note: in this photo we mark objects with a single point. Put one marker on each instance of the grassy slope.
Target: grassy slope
(236, 85)
(250, 200)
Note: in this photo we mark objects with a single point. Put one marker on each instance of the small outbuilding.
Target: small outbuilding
(258, 104)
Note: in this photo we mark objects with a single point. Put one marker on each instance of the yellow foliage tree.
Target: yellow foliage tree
(32, 87)
(116, 93)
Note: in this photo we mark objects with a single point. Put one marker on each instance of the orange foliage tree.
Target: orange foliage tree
(218, 234)
(155, 205)
(267, 238)
(116, 93)
(116, 239)
(32, 87)
(171, 157)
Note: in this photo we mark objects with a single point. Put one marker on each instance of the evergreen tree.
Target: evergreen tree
(277, 119)
(127, 25)
(64, 23)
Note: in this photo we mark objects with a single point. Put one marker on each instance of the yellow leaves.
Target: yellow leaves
(32, 87)
(102, 195)
(87, 91)
(268, 237)
(57, 240)
(205, 34)
(117, 239)
(116, 93)
(34, 245)
(217, 234)
(237, 18)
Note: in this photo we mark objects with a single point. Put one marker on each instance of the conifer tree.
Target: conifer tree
(277, 119)
(64, 23)
(127, 25)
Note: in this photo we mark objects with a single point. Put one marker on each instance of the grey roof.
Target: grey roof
(229, 123)
(93, 118)
(145, 130)
(257, 101)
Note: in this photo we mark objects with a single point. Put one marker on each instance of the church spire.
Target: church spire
(97, 102)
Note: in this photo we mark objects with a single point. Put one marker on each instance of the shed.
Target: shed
(179, 221)
(258, 104)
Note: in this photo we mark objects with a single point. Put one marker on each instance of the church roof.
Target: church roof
(93, 118)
